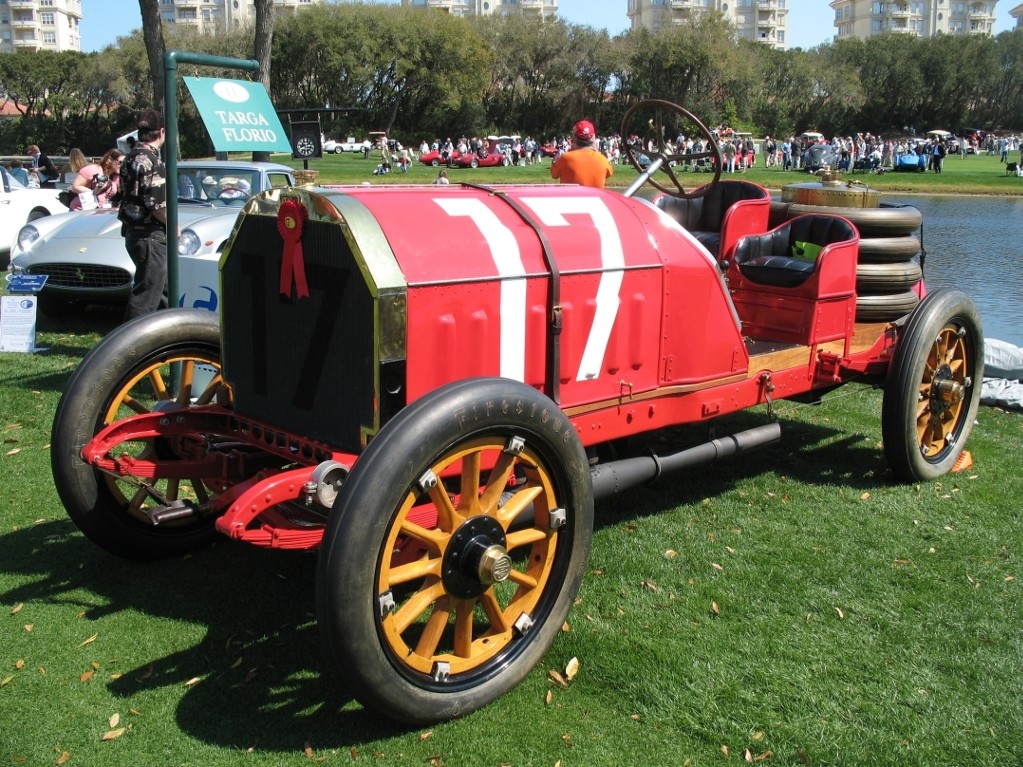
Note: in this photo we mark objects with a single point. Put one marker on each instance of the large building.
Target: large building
(764, 21)
(1017, 13)
(210, 16)
(40, 25)
(487, 7)
(923, 18)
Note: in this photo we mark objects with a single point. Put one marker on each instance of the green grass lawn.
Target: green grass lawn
(795, 606)
(975, 174)
(795, 602)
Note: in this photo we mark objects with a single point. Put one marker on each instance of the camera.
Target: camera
(99, 180)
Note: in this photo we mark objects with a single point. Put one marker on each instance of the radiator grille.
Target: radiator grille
(307, 365)
(84, 276)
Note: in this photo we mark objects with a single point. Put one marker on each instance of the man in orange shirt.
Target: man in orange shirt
(582, 164)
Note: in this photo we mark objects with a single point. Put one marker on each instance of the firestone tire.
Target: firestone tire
(125, 374)
(884, 221)
(413, 609)
(887, 278)
(883, 250)
(933, 387)
(885, 307)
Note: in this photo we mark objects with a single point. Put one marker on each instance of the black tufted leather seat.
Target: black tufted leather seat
(704, 217)
(768, 259)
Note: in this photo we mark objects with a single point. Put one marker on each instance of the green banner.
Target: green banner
(238, 115)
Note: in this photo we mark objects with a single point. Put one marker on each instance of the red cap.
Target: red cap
(584, 130)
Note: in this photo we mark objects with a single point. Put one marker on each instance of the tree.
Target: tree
(152, 33)
(263, 47)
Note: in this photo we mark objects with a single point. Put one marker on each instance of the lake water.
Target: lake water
(976, 244)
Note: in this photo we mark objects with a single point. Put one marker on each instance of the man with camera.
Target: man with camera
(143, 216)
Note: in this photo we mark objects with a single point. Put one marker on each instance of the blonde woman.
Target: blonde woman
(96, 184)
(76, 160)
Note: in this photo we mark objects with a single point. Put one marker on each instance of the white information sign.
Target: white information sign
(18, 323)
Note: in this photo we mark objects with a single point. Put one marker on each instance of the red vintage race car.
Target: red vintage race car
(473, 160)
(433, 385)
(436, 158)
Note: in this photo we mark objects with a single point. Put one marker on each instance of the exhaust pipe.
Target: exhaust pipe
(615, 476)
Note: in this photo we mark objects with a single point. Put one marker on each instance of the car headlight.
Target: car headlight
(27, 236)
(188, 243)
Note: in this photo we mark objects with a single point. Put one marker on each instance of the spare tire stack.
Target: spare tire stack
(888, 271)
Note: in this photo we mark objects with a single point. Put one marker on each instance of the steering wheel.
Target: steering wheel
(662, 117)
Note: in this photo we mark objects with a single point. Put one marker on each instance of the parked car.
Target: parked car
(472, 160)
(348, 145)
(820, 156)
(20, 204)
(436, 158)
(83, 253)
(466, 372)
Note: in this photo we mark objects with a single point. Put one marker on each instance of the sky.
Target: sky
(810, 21)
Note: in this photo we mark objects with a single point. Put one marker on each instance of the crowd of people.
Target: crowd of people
(87, 184)
(134, 184)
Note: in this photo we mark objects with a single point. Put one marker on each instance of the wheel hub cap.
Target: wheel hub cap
(476, 558)
(946, 392)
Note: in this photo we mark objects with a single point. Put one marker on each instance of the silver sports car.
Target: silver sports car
(83, 253)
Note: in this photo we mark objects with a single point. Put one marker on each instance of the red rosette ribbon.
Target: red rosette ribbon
(291, 218)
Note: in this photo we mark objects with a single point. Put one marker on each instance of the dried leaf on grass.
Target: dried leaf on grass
(90, 640)
(17, 608)
(114, 720)
(15, 451)
(308, 750)
(572, 669)
(65, 756)
(114, 734)
(557, 678)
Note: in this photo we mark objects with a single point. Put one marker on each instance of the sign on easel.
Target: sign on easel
(18, 313)
(18, 323)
